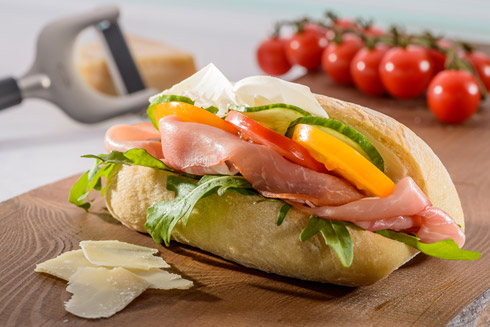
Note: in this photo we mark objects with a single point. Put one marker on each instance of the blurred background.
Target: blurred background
(39, 144)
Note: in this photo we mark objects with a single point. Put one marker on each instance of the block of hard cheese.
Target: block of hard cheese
(160, 65)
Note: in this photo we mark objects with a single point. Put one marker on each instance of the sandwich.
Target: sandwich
(264, 173)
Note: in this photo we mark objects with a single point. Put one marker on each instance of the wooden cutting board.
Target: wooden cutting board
(41, 224)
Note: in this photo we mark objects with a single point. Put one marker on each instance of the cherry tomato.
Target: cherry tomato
(406, 72)
(481, 64)
(286, 147)
(271, 56)
(373, 31)
(305, 49)
(336, 58)
(445, 44)
(319, 30)
(344, 23)
(364, 69)
(453, 96)
(438, 59)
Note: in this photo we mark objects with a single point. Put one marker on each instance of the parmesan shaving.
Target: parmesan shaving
(121, 254)
(65, 265)
(162, 280)
(105, 281)
(101, 292)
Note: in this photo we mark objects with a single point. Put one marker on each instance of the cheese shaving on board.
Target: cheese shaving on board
(121, 254)
(64, 265)
(162, 280)
(99, 291)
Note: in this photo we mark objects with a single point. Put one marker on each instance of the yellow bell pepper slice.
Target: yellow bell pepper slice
(190, 113)
(343, 160)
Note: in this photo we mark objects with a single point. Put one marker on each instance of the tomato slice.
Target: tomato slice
(342, 159)
(258, 133)
(190, 113)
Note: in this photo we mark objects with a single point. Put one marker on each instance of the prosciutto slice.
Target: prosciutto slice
(193, 147)
(408, 209)
(406, 200)
(398, 224)
(430, 225)
(125, 137)
(437, 225)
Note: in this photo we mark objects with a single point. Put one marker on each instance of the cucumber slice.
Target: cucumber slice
(344, 133)
(212, 109)
(276, 116)
(162, 99)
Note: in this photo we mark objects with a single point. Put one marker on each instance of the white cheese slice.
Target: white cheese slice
(162, 280)
(209, 87)
(64, 265)
(262, 90)
(101, 292)
(121, 254)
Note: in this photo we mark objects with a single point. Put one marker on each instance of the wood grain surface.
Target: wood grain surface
(41, 224)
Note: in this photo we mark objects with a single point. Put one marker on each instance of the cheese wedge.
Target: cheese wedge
(160, 65)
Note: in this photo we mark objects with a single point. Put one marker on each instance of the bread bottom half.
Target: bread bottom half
(234, 228)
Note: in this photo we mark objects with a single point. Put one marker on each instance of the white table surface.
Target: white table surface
(39, 144)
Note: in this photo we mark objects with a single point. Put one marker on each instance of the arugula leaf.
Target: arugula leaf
(105, 166)
(336, 236)
(139, 157)
(163, 216)
(113, 157)
(446, 249)
(244, 191)
(162, 98)
(282, 213)
(88, 182)
(79, 192)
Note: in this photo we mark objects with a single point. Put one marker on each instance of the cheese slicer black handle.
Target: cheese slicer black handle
(10, 94)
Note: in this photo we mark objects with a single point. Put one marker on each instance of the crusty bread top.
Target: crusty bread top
(404, 152)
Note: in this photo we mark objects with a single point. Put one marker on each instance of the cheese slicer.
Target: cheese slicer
(53, 75)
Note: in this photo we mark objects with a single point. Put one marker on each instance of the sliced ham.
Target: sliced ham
(190, 147)
(125, 137)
